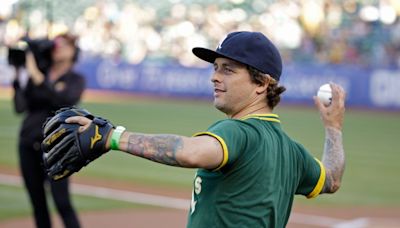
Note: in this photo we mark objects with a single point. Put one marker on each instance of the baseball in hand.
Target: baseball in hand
(325, 94)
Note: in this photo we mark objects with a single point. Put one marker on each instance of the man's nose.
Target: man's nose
(216, 77)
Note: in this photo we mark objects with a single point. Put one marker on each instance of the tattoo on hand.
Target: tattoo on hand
(333, 159)
(159, 148)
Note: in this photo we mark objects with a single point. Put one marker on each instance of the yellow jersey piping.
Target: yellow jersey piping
(321, 181)
(268, 117)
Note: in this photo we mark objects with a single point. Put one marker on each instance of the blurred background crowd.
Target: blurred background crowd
(366, 33)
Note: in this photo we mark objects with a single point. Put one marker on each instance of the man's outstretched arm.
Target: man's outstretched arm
(174, 150)
(192, 152)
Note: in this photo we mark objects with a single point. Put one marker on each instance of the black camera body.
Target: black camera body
(40, 48)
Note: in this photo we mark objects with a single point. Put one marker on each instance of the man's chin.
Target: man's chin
(220, 107)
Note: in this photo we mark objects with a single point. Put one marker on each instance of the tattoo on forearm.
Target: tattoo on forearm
(333, 159)
(159, 148)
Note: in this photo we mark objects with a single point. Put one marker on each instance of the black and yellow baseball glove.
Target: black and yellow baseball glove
(66, 150)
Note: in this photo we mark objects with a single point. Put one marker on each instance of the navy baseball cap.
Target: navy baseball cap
(249, 48)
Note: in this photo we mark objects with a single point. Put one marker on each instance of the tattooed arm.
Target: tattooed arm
(191, 152)
(333, 157)
(174, 150)
(333, 160)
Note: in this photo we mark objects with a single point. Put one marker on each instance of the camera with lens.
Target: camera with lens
(40, 48)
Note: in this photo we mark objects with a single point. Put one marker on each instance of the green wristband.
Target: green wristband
(115, 137)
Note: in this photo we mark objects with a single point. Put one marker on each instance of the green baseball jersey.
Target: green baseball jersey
(255, 184)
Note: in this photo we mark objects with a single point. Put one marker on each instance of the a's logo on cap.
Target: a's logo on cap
(222, 41)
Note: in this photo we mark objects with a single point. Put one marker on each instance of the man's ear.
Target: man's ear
(262, 87)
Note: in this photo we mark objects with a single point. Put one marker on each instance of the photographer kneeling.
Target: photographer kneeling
(47, 89)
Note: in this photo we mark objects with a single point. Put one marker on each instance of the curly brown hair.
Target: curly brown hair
(273, 91)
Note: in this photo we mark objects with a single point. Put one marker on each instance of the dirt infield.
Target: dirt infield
(156, 218)
(126, 218)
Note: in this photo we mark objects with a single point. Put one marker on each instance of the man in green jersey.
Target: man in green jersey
(249, 169)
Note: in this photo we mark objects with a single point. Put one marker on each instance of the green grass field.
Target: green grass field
(372, 142)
